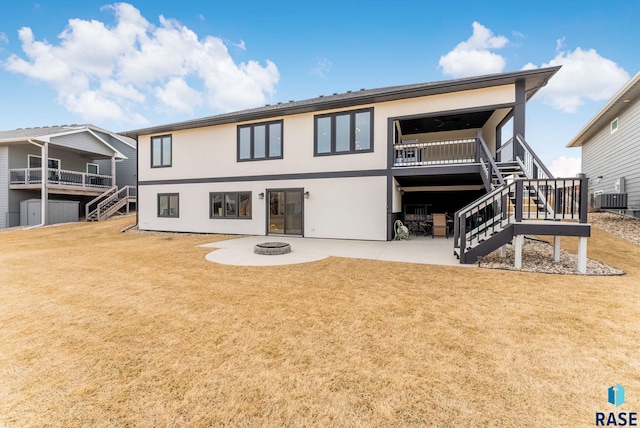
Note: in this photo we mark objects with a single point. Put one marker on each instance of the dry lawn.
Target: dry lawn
(103, 328)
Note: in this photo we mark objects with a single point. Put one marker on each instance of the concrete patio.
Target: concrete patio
(419, 250)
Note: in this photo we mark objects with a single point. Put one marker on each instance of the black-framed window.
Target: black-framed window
(230, 205)
(168, 205)
(260, 141)
(161, 151)
(344, 132)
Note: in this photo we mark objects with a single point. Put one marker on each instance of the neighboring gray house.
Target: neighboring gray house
(82, 163)
(611, 151)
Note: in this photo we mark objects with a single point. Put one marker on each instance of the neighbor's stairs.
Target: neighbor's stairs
(110, 203)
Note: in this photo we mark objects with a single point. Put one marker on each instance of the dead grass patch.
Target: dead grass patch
(102, 328)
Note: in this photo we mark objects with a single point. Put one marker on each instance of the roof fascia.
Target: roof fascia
(114, 135)
(116, 153)
(611, 109)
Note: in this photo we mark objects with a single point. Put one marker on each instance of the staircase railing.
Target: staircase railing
(529, 161)
(494, 212)
(482, 218)
(489, 168)
(109, 202)
(91, 206)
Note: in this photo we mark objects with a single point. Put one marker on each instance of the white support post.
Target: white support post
(45, 182)
(113, 171)
(518, 242)
(582, 255)
(503, 251)
(556, 249)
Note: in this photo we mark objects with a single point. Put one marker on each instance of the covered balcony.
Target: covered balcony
(60, 181)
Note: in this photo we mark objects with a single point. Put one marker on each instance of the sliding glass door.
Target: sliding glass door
(285, 212)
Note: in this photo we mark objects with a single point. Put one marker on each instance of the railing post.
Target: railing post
(476, 155)
(519, 199)
(463, 238)
(584, 197)
(559, 200)
(456, 231)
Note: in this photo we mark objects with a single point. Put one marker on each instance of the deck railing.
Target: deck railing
(59, 176)
(563, 199)
(416, 153)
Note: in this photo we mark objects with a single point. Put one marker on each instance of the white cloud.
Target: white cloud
(564, 167)
(474, 56)
(585, 75)
(242, 46)
(322, 67)
(177, 95)
(3, 37)
(109, 72)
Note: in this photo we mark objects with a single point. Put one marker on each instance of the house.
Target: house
(82, 164)
(610, 144)
(350, 165)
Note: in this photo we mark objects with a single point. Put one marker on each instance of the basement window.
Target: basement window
(168, 205)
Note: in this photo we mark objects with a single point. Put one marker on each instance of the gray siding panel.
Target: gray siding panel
(616, 155)
(83, 141)
(125, 169)
(71, 161)
(4, 186)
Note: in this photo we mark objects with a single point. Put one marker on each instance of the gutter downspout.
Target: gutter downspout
(137, 182)
(44, 198)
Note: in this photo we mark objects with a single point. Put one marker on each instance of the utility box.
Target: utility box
(58, 212)
(614, 201)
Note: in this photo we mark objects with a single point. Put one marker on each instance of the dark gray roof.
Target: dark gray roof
(534, 80)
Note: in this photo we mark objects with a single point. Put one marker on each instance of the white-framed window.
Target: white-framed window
(614, 125)
(93, 168)
(36, 162)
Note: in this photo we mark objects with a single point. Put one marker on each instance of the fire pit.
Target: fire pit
(272, 248)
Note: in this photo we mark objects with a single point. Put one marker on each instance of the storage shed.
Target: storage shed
(59, 212)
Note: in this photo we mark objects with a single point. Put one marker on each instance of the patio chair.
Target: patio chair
(440, 225)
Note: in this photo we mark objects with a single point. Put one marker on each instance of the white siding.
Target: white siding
(616, 155)
(211, 151)
(351, 208)
(348, 208)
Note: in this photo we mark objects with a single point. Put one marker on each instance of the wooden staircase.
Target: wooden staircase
(110, 203)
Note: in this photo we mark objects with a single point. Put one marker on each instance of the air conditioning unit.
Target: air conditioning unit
(615, 201)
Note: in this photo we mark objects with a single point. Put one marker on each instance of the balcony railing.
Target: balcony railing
(29, 176)
(415, 153)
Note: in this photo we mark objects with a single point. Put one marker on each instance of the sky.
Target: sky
(130, 65)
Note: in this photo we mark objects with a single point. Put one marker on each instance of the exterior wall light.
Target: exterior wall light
(261, 195)
(306, 194)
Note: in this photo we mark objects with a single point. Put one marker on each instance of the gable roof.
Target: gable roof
(47, 132)
(621, 100)
(533, 79)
